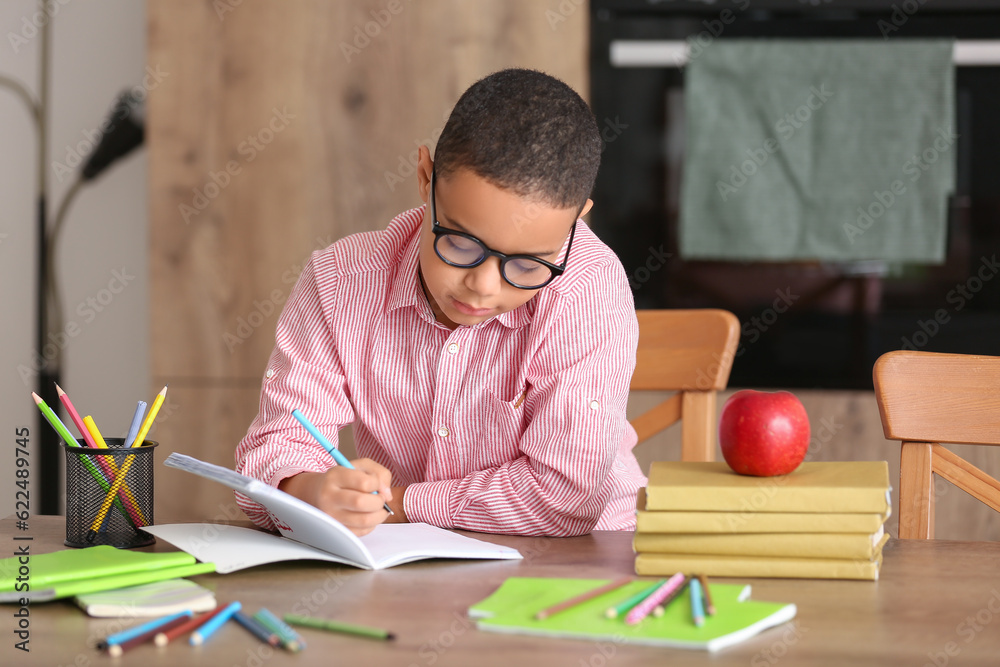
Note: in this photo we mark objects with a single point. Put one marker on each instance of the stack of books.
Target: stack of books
(823, 521)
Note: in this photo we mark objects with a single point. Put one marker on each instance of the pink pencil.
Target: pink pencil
(75, 416)
(641, 610)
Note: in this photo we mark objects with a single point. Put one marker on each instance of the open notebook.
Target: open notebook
(310, 533)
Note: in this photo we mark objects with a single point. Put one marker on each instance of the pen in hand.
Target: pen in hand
(328, 446)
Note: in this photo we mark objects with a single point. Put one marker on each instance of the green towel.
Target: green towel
(830, 150)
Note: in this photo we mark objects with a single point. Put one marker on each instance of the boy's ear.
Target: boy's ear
(425, 167)
(586, 208)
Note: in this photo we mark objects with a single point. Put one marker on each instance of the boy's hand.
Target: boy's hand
(346, 494)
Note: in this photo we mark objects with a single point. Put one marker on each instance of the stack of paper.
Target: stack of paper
(824, 521)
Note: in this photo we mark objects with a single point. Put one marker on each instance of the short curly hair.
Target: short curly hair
(527, 132)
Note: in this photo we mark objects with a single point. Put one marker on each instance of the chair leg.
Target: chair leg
(699, 426)
(916, 491)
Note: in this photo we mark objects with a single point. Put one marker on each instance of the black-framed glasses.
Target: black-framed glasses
(465, 251)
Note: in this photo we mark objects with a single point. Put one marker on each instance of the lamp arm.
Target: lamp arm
(55, 310)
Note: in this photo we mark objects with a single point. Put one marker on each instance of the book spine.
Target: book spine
(790, 568)
(781, 545)
(755, 522)
(768, 498)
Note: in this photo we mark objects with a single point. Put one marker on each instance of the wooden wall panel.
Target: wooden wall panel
(222, 267)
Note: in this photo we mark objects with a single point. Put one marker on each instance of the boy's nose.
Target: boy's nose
(485, 279)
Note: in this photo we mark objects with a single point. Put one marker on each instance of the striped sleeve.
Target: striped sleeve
(304, 372)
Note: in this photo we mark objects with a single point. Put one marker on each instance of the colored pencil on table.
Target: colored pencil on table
(709, 607)
(643, 609)
(165, 637)
(115, 650)
(339, 626)
(257, 629)
(290, 639)
(123, 471)
(142, 628)
(206, 629)
(697, 609)
(68, 438)
(328, 446)
(661, 608)
(583, 597)
(627, 604)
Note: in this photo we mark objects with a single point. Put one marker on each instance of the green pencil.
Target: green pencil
(625, 605)
(338, 626)
(289, 638)
(70, 441)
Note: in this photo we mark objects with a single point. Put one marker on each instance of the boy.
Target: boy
(482, 344)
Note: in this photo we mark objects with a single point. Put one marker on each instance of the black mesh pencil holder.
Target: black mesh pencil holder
(95, 516)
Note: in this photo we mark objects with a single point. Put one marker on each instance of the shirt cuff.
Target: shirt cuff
(430, 502)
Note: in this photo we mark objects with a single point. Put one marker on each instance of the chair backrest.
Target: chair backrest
(690, 352)
(929, 398)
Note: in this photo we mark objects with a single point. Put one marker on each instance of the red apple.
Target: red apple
(763, 433)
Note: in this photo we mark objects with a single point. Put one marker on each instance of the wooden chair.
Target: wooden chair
(926, 399)
(690, 352)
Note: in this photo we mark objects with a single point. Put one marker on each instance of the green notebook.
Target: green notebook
(71, 572)
(512, 609)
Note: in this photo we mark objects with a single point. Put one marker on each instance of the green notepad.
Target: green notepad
(76, 571)
(512, 609)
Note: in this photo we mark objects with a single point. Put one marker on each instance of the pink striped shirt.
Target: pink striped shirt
(357, 343)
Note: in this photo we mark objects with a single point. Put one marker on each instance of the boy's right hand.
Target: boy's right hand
(346, 494)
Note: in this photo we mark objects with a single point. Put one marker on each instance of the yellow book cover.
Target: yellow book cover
(749, 521)
(784, 545)
(758, 566)
(820, 486)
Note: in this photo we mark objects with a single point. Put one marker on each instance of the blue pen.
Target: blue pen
(133, 430)
(213, 624)
(328, 446)
(125, 635)
(697, 608)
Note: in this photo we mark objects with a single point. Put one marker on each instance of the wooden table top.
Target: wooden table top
(937, 602)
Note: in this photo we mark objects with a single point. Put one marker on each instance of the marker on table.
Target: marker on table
(709, 607)
(290, 639)
(328, 446)
(164, 637)
(142, 628)
(257, 629)
(152, 629)
(661, 608)
(338, 626)
(206, 629)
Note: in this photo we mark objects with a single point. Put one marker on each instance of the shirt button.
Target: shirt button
(453, 348)
(443, 432)
(594, 405)
(270, 373)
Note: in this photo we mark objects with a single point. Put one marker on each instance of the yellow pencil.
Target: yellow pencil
(109, 461)
(123, 471)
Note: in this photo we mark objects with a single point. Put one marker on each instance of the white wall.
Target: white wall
(98, 49)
